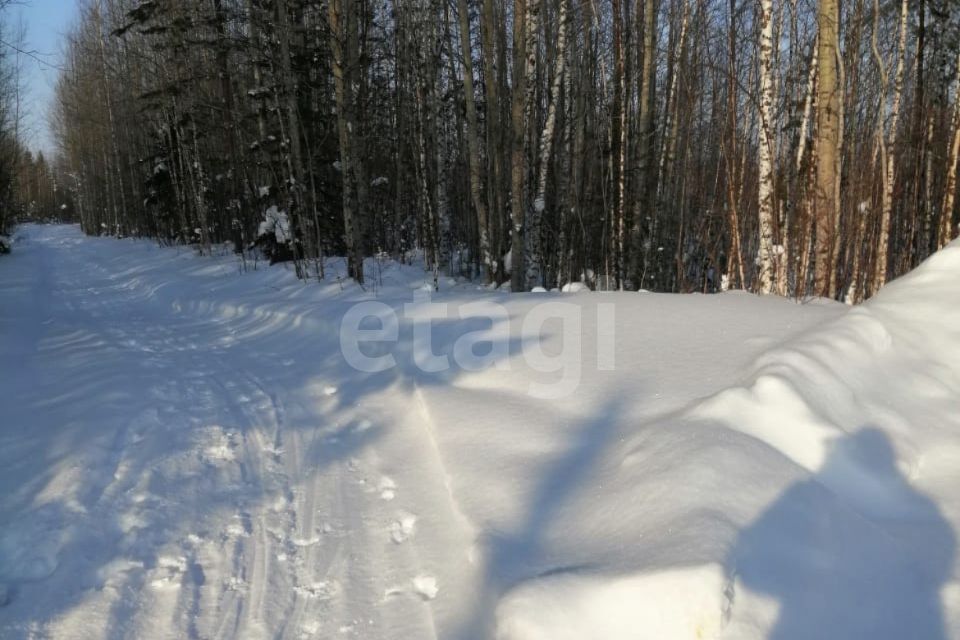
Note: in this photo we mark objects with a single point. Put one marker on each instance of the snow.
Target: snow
(575, 287)
(426, 587)
(185, 452)
(673, 603)
(276, 223)
(725, 282)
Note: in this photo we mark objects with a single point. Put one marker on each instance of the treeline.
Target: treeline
(29, 186)
(10, 149)
(796, 147)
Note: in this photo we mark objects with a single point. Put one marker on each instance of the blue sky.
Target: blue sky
(46, 21)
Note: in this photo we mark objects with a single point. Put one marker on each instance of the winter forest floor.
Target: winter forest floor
(185, 452)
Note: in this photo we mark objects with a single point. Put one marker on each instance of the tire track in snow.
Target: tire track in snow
(338, 581)
(429, 430)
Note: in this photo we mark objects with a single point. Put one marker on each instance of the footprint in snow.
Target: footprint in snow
(219, 446)
(387, 488)
(393, 592)
(234, 583)
(425, 586)
(326, 527)
(403, 528)
(241, 527)
(305, 542)
(168, 574)
(317, 590)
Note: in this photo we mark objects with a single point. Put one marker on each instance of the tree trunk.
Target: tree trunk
(645, 133)
(767, 281)
(827, 147)
(518, 165)
(495, 134)
(889, 155)
(343, 88)
(473, 142)
(546, 146)
(945, 228)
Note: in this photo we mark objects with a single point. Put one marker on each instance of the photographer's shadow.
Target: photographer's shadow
(853, 552)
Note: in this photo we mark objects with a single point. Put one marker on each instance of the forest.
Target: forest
(794, 147)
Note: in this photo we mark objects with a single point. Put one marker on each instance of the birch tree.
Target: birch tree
(546, 146)
(765, 260)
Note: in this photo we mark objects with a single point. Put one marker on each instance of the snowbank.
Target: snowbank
(826, 486)
(675, 603)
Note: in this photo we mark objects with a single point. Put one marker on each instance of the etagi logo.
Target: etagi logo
(550, 339)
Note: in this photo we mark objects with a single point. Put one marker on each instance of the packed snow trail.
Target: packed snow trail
(185, 452)
(173, 474)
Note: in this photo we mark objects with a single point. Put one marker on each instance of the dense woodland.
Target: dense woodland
(28, 182)
(10, 150)
(798, 147)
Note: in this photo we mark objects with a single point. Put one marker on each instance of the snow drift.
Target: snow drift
(819, 498)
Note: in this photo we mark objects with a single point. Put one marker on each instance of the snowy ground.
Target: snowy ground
(185, 453)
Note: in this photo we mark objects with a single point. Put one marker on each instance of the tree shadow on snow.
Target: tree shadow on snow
(155, 420)
(513, 556)
(853, 552)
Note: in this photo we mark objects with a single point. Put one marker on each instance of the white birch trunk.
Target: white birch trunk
(767, 281)
(535, 267)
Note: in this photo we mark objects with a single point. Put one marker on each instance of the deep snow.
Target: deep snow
(185, 452)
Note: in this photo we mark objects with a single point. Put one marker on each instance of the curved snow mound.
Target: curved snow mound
(892, 363)
(827, 479)
(678, 603)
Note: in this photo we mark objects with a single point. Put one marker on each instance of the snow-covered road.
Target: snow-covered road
(177, 469)
(186, 453)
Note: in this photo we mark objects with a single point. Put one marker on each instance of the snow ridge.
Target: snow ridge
(864, 411)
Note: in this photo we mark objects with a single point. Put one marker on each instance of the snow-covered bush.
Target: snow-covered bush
(274, 237)
(277, 223)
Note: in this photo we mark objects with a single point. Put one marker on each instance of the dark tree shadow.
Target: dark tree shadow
(853, 552)
(520, 554)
